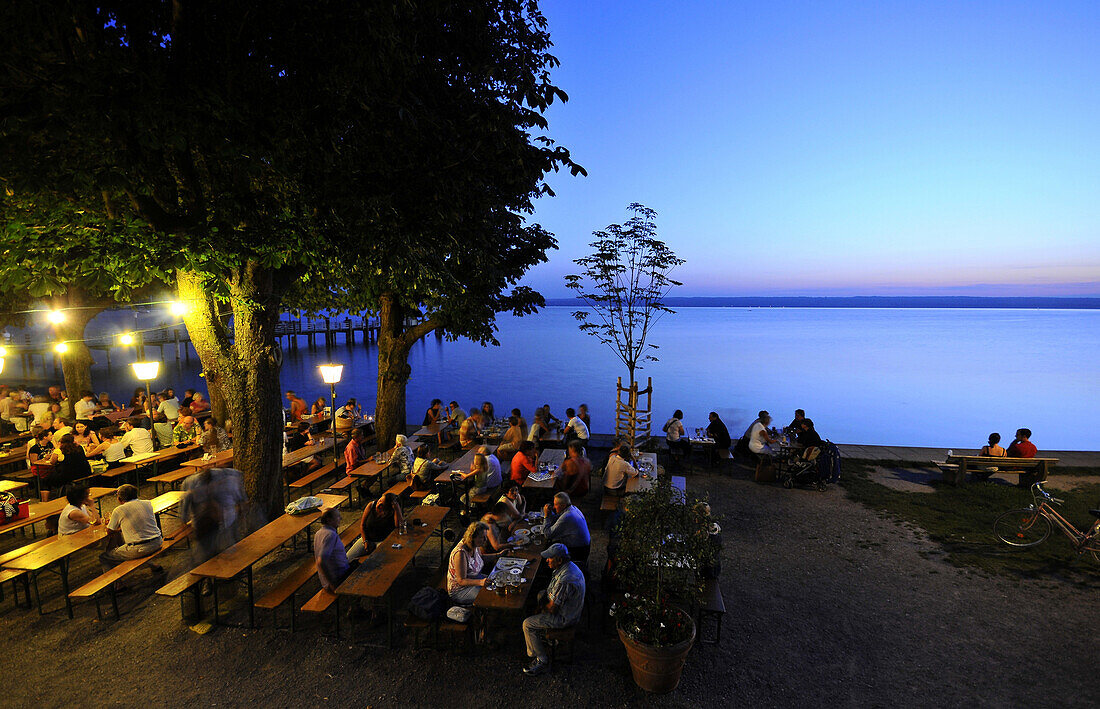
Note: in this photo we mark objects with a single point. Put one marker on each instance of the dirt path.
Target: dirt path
(828, 604)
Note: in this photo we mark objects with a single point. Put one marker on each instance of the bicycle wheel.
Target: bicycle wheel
(1022, 528)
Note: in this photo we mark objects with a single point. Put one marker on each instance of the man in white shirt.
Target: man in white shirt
(134, 524)
(84, 409)
(170, 406)
(138, 440)
(575, 428)
(619, 471)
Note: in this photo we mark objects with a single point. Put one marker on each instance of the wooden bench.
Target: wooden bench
(171, 478)
(14, 575)
(286, 589)
(180, 585)
(1030, 470)
(449, 447)
(307, 481)
(107, 581)
(712, 606)
(345, 483)
(117, 472)
(16, 553)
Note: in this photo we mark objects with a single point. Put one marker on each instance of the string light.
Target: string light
(177, 308)
(126, 339)
(56, 317)
(61, 348)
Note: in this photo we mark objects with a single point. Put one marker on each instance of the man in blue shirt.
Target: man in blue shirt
(566, 524)
(561, 605)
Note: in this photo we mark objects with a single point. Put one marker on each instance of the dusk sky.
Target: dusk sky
(835, 148)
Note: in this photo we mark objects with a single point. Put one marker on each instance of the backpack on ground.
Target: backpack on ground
(428, 603)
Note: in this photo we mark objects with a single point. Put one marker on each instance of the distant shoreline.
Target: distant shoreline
(873, 301)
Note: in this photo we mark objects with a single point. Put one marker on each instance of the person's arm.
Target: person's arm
(79, 516)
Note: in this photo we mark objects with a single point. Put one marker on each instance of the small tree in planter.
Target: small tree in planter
(624, 283)
(662, 544)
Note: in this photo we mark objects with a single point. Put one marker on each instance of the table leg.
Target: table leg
(65, 586)
(214, 584)
(251, 604)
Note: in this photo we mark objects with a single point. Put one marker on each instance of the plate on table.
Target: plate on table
(515, 571)
(536, 529)
(520, 541)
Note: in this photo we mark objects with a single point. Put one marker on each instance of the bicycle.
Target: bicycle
(1031, 526)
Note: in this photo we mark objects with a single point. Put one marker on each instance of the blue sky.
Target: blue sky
(835, 148)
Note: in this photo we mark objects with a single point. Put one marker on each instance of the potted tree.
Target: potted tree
(660, 545)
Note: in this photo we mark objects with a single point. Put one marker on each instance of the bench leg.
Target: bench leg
(251, 602)
(337, 607)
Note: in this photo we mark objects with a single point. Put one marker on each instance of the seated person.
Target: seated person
(85, 437)
(796, 424)
(346, 417)
(434, 413)
(575, 428)
(495, 475)
(163, 428)
(455, 415)
(514, 497)
(538, 430)
(1022, 447)
(524, 462)
(132, 530)
(576, 472)
(619, 469)
(469, 433)
(215, 439)
(566, 524)
(69, 465)
(548, 418)
(379, 519)
(199, 404)
(465, 569)
(757, 437)
(488, 413)
(137, 439)
(298, 440)
(333, 564)
(808, 438)
(353, 451)
(522, 423)
(424, 470)
(79, 513)
(485, 477)
(499, 521)
(401, 460)
(39, 449)
(717, 430)
(513, 437)
(560, 605)
(186, 432)
(104, 405)
(992, 449)
(675, 436)
(115, 450)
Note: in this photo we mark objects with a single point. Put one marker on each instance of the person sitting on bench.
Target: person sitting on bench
(379, 520)
(333, 564)
(1022, 447)
(565, 523)
(717, 430)
(676, 438)
(758, 439)
(132, 530)
(424, 469)
(993, 449)
(298, 440)
(560, 605)
(619, 469)
(576, 472)
(79, 513)
(514, 497)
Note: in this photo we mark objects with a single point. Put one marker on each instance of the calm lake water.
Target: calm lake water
(926, 377)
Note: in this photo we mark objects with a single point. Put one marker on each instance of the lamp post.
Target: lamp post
(147, 372)
(331, 374)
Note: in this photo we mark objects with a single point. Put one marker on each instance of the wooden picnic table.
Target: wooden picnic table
(13, 456)
(220, 459)
(1030, 470)
(371, 470)
(44, 510)
(553, 458)
(240, 557)
(375, 575)
(11, 438)
(155, 458)
(307, 451)
(461, 468)
(165, 502)
(57, 552)
(491, 601)
(12, 485)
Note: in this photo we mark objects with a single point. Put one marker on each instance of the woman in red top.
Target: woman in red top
(524, 462)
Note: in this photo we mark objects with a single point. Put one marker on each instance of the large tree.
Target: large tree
(294, 155)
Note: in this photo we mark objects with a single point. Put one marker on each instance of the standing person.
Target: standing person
(524, 462)
(575, 428)
(84, 408)
(582, 414)
(132, 530)
(993, 449)
(298, 406)
(560, 604)
(328, 551)
(717, 430)
(675, 436)
(138, 439)
(379, 519)
(576, 472)
(79, 513)
(199, 507)
(1022, 447)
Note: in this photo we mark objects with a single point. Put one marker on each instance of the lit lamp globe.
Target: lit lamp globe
(330, 374)
(1, 365)
(146, 372)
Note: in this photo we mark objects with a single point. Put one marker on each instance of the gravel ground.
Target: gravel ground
(827, 604)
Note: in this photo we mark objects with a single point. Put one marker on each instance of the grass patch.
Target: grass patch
(960, 520)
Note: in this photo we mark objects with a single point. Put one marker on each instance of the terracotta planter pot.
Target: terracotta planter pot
(657, 669)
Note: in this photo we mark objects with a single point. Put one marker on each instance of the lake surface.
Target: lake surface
(924, 377)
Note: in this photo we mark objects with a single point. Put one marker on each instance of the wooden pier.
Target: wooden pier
(328, 331)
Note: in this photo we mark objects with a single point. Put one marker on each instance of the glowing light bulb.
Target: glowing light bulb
(177, 308)
(56, 317)
(3, 351)
(61, 348)
(126, 339)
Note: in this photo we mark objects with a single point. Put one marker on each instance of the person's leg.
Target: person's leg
(465, 595)
(533, 627)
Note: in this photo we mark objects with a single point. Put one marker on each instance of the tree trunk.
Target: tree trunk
(394, 344)
(393, 373)
(76, 363)
(245, 372)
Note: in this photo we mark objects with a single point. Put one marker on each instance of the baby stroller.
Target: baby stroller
(818, 469)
